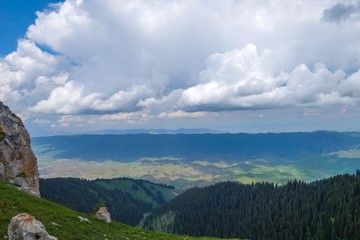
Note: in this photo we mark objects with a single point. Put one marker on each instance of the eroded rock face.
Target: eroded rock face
(18, 163)
(25, 227)
(103, 214)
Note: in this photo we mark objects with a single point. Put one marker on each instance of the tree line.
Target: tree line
(326, 209)
(85, 196)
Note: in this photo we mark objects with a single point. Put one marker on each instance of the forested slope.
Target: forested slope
(326, 209)
(126, 199)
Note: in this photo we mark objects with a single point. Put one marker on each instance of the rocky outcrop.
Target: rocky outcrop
(25, 227)
(18, 164)
(103, 214)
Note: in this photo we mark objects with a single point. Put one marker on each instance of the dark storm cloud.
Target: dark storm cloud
(342, 12)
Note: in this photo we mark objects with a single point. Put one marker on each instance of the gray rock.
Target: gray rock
(18, 164)
(103, 214)
(25, 227)
(83, 219)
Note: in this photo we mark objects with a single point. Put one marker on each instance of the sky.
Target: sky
(237, 66)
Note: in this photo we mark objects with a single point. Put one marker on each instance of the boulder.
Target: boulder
(18, 164)
(25, 227)
(103, 214)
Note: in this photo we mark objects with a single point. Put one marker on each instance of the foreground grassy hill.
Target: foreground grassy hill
(13, 202)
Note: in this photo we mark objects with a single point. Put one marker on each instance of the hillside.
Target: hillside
(13, 202)
(188, 160)
(141, 190)
(127, 199)
(327, 209)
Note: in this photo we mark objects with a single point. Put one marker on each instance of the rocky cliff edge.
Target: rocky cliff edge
(18, 164)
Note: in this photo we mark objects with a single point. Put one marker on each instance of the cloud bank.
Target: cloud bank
(131, 60)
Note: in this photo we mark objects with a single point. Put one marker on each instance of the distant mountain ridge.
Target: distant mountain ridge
(154, 131)
(213, 147)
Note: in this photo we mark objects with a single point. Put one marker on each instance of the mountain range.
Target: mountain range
(275, 209)
(187, 160)
(155, 131)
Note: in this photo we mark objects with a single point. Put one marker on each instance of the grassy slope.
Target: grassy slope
(139, 189)
(13, 202)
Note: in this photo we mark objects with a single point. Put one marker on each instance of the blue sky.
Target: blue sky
(237, 66)
(16, 16)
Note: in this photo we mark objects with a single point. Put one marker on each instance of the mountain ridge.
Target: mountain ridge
(153, 131)
(131, 147)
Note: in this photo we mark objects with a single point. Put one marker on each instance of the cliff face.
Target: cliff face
(18, 164)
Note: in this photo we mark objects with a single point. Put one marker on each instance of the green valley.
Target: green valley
(189, 160)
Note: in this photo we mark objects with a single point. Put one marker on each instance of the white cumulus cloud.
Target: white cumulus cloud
(239, 80)
(180, 59)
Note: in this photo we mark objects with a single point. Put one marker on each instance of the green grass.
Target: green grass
(140, 190)
(189, 174)
(13, 202)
